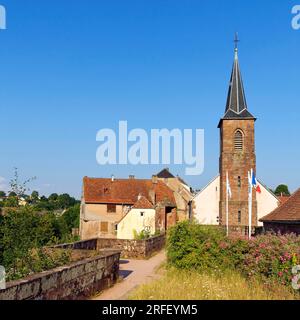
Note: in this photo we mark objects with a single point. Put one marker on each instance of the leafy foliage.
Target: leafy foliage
(282, 189)
(144, 234)
(2, 194)
(23, 231)
(269, 257)
(19, 188)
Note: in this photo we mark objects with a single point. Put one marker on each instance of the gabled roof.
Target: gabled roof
(125, 191)
(182, 181)
(143, 203)
(165, 174)
(268, 190)
(289, 211)
(236, 104)
(204, 188)
(283, 199)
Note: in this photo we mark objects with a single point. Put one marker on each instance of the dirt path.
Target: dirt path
(134, 273)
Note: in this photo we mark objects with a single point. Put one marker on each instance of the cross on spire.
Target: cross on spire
(236, 41)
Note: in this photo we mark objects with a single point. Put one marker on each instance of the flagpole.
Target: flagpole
(227, 200)
(250, 176)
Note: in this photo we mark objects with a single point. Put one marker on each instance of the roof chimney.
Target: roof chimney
(154, 179)
(152, 196)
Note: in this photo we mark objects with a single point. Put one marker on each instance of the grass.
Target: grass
(190, 285)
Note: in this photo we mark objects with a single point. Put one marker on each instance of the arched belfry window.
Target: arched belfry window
(238, 140)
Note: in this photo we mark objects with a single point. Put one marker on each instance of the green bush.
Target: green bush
(23, 230)
(191, 246)
(271, 258)
(38, 260)
(143, 235)
(268, 257)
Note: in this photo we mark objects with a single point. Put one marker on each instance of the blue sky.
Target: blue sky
(69, 69)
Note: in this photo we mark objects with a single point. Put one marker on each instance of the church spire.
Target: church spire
(236, 105)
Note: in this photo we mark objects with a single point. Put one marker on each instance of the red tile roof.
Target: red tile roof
(288, 211)
(125, 191)
(143, 203)
(283, 199)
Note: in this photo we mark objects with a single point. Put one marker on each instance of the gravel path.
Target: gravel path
(134, 273)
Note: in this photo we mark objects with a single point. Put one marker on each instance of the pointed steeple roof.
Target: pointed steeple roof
(236, 105)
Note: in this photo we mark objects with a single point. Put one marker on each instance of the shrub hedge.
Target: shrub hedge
(269, 257)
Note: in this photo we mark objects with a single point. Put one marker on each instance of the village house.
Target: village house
(121, 208)
(285, 218)
(141, 218)
(182, 192)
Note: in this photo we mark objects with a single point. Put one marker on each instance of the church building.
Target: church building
(237, 157)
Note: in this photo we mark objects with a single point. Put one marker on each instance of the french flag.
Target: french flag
(255, 184)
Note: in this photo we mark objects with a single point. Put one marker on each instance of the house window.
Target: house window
(104, 226)
(111, 208)
(239, 216)
(142, 213)
(238, 141)
(239, 182)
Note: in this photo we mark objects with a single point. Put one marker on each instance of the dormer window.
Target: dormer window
(238, 141)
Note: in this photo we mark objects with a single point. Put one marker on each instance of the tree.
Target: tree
(53, 197)
(23, 232)
(17, 186)
(11, 202)
(282, 189)
(65, 201)
(35, 195)
(2, 194)
(44, 199)
(71, 217)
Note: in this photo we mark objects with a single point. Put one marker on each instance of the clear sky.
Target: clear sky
(70, 68)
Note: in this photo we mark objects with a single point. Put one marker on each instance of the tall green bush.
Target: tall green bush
(23, 230)
(268, 257)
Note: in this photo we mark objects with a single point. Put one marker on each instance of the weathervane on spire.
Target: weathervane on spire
(236, 41)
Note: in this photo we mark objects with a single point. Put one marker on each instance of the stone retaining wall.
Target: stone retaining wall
(90, 244)
(137, 249)
(79, 280)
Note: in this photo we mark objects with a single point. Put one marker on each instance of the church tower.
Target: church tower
(237, 152)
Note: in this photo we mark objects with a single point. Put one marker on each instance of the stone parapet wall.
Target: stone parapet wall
(79, 280)
(137, 249)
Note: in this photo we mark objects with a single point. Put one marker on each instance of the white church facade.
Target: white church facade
(206, 203)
